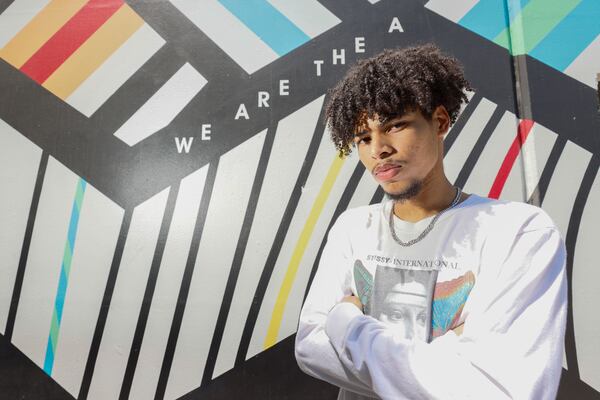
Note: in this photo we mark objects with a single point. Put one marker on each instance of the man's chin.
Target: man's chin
(406, 193)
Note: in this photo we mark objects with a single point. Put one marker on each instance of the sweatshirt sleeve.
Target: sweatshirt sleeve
(314, 352)
(511, 347)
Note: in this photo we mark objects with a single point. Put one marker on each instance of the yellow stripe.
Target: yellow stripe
(301, 245)
(37, 32)
(91, 54)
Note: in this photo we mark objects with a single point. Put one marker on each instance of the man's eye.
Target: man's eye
(398, 126)
(363, 140)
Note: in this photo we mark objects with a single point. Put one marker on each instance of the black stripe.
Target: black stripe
(4, 5)
(537, 197)
(279, 238)
(571, 387)
(106, 300)
(140, 328)
(570, 242)
(378, 196)
(238, 257)
(478, 148)
(461, 122)
(16, 294)
(186, 280)
(341, 207)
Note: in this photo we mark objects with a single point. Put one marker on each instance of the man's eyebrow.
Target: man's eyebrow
(393, 120)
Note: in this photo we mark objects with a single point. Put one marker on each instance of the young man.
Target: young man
(433, 293)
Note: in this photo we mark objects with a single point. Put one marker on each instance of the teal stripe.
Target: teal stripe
(63, 280)
(571, 37)
(278, 32)
(487, 18)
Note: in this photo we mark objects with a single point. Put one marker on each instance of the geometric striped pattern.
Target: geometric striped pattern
(66, 43)
(64, 277)
(127, 297)
(556, 32)
(277, 187)
(62, 285)
(509, 152)
(17, 153)
(255, 33)
(220, 236)
(164, 105)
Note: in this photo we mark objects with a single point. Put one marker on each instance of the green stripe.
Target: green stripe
(533, 23)
(54, 326)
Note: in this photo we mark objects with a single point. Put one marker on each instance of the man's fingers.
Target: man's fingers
(354, 300)
(459, 329)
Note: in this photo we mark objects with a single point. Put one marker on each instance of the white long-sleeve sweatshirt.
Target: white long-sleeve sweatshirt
(496, 266)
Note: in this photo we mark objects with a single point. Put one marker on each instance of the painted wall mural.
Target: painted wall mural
(168, 181)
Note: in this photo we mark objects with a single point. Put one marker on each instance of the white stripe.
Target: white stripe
(565, 183)
(289, 322)
(19, 163)
(127, 298)
(373, 1)
(365, 190)
(318, 172)
(220, 236)
(40, 283)
(97, 233)
(17, 16)
(231, 35)
(168, 283)
(309, 15)
(525, 173)
(116, 70)
(278, 184)
(465, 141)
(586, 295)
(163, 106)
(585, 67)
(482, 177)
(452, 10)
(463, 106)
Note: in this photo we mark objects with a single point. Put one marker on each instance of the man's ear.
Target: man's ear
(441, 116)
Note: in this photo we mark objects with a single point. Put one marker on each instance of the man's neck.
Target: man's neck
(435, 196)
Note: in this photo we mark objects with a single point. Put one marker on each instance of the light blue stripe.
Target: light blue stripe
(278, 32)
(490, 17)
(571, 36)
(49, 360)
(487, 18)
(73, 224)
(63, 280)
(60, 295)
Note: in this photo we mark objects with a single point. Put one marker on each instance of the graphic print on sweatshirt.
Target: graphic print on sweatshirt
(410, 301)
(448, 301)
(398, 297)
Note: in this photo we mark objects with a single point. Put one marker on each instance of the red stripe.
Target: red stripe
(68, 38)
(510, 158)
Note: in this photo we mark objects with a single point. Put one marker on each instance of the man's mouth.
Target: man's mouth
(386, 171)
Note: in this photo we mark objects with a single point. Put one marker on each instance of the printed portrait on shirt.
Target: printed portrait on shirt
(400, 298)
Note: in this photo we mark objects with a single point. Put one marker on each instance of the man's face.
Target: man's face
(401, 152)
(404, 310)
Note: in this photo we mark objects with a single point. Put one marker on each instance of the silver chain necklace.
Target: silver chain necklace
(429, 227)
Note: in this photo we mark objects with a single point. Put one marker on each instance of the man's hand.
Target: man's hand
(458, 329)
(354, 300)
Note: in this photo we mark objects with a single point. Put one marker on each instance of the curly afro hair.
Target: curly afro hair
(391, 83)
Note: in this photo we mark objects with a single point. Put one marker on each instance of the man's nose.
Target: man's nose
(380, 147)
